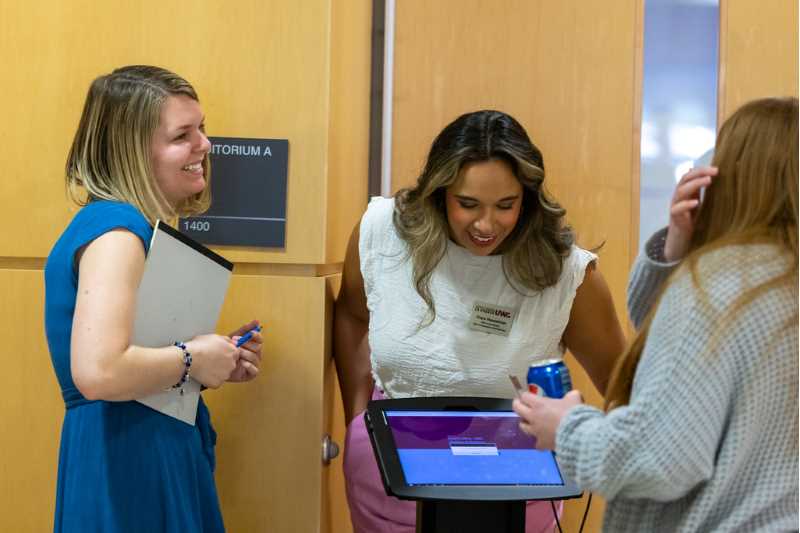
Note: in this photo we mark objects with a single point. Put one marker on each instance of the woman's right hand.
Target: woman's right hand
(214, 358)
(683, 209)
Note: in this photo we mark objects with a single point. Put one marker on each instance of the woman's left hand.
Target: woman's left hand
(250, 354)
(541, 416)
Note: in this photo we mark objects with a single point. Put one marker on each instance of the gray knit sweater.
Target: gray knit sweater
(709, 440)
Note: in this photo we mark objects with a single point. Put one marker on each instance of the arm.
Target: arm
(648, 275)
(593, 333)
(664, 443)
(667, 247)
(350, 328)
(104, 364)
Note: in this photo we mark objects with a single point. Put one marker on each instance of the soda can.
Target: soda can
(549, 377)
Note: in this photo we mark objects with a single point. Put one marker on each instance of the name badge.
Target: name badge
(491, 318)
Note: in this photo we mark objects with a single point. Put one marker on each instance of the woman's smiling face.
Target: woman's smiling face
(483, 205)
(178, 148)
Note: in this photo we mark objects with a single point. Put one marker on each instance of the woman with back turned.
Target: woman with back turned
(477, 233)
(700, 429)
(140, 154)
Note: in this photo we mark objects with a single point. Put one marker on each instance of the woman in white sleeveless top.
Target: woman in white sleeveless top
(478, 238)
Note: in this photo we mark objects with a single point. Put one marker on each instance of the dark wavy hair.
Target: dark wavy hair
(533, 253)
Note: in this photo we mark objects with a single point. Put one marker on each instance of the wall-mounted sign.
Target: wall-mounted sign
(248, 194)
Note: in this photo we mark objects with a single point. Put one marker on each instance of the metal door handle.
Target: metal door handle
(330, 450)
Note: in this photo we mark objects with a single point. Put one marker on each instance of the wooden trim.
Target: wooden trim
(239, 269)
(722, 61)
(376, 99)
(283, 269)
(22, 263)
(636, 138)
(636, 152)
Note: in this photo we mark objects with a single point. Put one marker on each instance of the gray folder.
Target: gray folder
(180, 297)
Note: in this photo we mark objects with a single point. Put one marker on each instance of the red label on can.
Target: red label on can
(533, 388)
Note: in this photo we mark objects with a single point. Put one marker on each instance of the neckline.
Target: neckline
(465, 256)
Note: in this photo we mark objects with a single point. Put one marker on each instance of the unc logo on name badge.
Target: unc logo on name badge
(492, 318)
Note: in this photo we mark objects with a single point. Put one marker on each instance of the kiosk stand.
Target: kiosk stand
(464, 460)
(470, 516)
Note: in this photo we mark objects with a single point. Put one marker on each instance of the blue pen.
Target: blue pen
(247, 336)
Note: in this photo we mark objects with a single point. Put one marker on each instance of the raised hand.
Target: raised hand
(683, 209)
(214, 358)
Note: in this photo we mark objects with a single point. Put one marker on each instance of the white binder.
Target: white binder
(180, 297)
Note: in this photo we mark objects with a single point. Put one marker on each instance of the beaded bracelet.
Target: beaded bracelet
(187, 363)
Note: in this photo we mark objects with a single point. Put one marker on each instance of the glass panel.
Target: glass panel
(679, 100)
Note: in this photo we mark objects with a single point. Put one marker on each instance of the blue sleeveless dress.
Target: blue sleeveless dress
(122, 467)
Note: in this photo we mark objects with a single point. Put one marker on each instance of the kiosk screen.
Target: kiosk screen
(468, 448)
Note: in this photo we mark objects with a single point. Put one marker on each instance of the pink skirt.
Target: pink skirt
(372, 511)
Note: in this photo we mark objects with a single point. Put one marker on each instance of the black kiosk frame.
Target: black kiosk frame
(458, 507)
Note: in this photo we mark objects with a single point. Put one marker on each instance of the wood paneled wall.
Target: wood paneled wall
(568, 71)
(269, 431)
(31, 407)
(267, 69)
(758, 52)
(262, 68)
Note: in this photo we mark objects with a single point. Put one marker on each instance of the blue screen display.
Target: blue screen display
(469, 448)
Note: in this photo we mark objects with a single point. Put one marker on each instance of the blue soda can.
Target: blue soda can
(549, 377)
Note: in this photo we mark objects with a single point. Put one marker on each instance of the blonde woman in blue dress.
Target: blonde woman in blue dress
(140, 154)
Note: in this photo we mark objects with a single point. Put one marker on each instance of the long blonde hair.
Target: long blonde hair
(753, 199)
(111, 152)
(533, 253)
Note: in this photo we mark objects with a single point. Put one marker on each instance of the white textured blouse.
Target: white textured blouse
(447, 358)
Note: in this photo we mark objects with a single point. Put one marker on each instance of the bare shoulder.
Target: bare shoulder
(594, 283)
(352, 295)
(352, 259)
(593, 333)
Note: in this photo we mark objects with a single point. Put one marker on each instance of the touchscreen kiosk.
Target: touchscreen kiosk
(461, 450)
